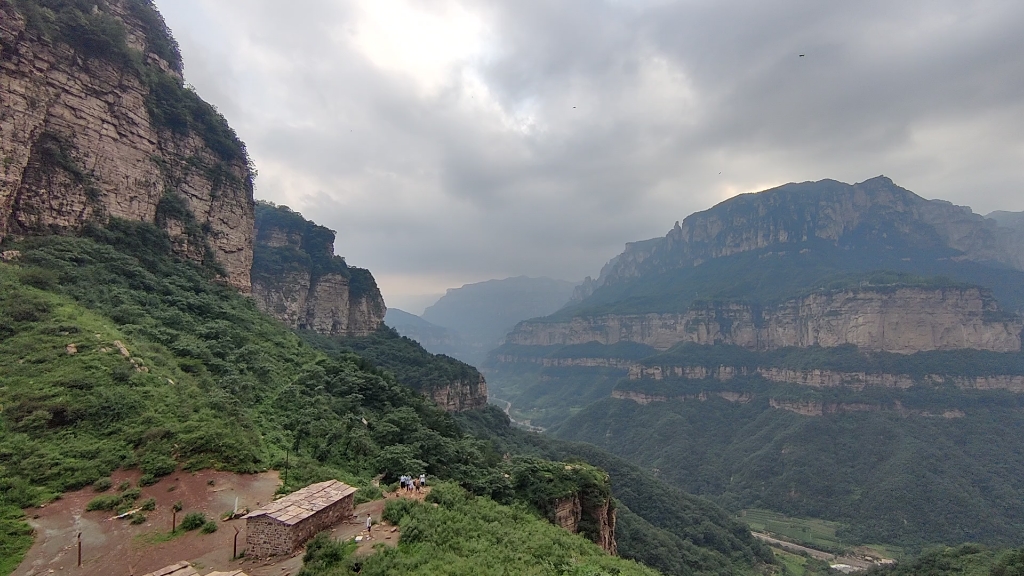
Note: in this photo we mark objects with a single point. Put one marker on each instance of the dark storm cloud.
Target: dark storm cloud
(540, 139)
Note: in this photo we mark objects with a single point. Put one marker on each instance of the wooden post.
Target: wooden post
(79, 549)
(286, 454)
(174, 519)
(234, 549)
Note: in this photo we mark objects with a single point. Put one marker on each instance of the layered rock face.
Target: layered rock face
(461, 395)
(901, 320)
(570, 512)
(78, 144)
(875, 210)
(298, 279)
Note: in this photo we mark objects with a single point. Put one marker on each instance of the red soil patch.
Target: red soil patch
(112, 547)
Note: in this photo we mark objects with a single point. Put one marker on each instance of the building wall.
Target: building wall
(265, 537)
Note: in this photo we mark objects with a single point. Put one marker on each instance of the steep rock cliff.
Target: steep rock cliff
(597, 519)
(461, 395)
(892, 319)
(95, 123)
(297, 278)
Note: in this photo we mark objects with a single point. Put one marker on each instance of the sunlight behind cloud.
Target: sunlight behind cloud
(427, 46)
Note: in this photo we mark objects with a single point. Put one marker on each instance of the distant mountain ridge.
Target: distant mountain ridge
(482, 313)
(874, 211)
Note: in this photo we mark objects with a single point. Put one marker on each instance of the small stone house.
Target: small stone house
(283, 526)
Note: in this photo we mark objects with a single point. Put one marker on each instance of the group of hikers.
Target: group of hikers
(410, 483)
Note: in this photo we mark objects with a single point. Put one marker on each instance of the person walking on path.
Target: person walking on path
(369, 523)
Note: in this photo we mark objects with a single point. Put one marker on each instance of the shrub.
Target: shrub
(105, 502)
(177, 507)
(193, 521)
(158, 464)
(124, 485)
(149, 505)
(209, 527)
(131, 495)
(448, 495)
(148, 480)
(368, 494)
(138, 518)
(102, 485)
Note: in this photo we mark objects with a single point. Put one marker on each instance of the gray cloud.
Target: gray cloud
(569, 128)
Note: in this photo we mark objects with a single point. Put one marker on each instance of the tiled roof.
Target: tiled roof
(179, 569)
(302, 504)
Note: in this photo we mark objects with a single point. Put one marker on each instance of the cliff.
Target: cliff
(460, 395)
(570, 514)
(884, 318)
(297, 278)
(95, 123)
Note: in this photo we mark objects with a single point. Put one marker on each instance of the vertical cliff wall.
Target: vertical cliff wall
(95, 123)
(297, 278)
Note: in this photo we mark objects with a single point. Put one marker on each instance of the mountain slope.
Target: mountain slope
(97, 123)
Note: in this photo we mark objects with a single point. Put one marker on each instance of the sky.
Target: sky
(454, 141)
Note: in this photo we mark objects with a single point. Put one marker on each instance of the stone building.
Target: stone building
(283, 526)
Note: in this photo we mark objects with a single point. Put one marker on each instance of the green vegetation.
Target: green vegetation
(15, 536)
(796, 565)
(658, 524)
(965, 560)
(466, 535)
(845, 359)
(903, 475)
(405, 358)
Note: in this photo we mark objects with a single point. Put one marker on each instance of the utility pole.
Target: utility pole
(79, 549)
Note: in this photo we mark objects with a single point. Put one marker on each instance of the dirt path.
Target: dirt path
(113, 547)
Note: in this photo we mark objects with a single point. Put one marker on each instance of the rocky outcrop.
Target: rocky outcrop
(818, 378)
(644, 398)
(461, 395)
(79, 143)
(565, 362)
(876, 210)
(570, 514)
(891, 319)
(297, 278)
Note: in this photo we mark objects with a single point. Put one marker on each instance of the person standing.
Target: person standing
(369, 523)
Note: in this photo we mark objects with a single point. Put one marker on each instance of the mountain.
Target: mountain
(297, 278)
(97, 124)
(483, 313)
(842, 352)
(434, 338)
(1012, 220)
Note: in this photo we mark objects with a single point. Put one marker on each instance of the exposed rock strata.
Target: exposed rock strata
(569, 513)
(461, 395)
(77, 144)
(298, 280)
(901, 320)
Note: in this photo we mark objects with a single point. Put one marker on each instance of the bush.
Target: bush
(124, 485)
(209, 527)
(149, 505)
(158, 465)
(193, 521)
(102, 485)
(138, 518)
(368, 494)
(105, 502)
(148, 480)
(448, 495)
(131, 495)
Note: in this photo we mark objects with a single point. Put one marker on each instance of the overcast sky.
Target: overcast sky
(453, 141)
